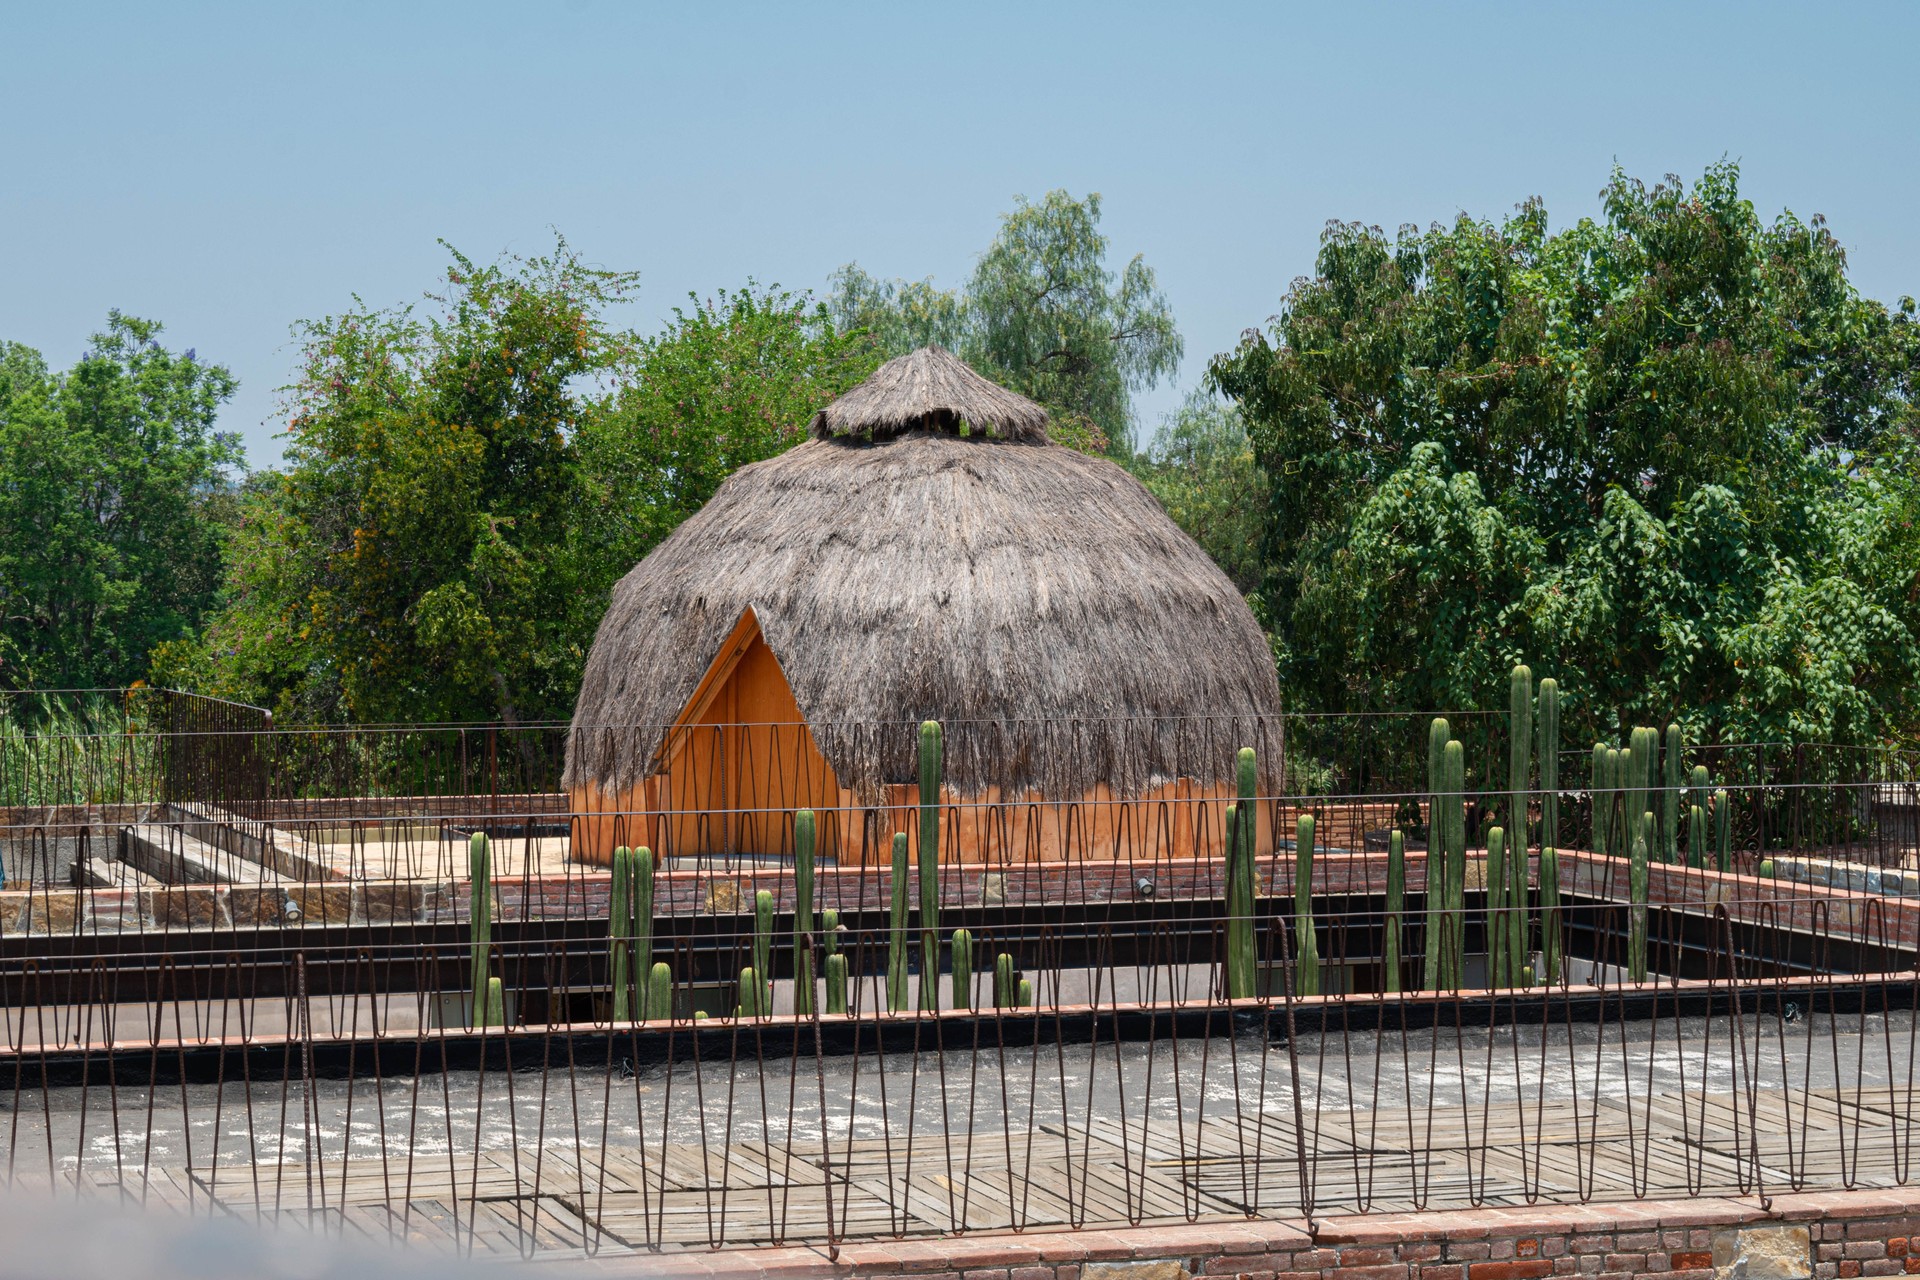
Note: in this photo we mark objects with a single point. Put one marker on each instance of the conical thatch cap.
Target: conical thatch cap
(930, 390)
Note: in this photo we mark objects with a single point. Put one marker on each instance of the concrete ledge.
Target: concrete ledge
(1831, 1235)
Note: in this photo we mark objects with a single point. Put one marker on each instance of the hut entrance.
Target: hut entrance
(731, 770)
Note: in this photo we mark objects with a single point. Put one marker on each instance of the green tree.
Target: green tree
(1200, 465)
(733, 380)
(1042, 313)
(114, 496)
(1635, 452)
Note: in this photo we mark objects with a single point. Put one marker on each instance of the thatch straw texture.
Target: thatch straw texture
(950, 578)
(930, 390)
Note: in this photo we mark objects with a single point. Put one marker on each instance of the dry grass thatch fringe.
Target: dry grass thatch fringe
(930, 389)
(1036, 596)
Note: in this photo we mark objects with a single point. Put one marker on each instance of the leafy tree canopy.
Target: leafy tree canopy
(1666, 455)
(467, 479)
(1043, 314)
(1200, 465)
(114, 496)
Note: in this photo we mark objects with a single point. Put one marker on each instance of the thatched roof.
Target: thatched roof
(1036, 601)
(930, 390)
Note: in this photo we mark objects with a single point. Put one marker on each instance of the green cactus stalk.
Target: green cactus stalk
(659, 1004)
(1436, 886)
(1003, 981)
(480, 920)
(897, 929)
(752, 994)
(803, 848)
(1396, 904)
(1024, 998)
(1696, 836)
(962, 944)
(1723, 829)
(1618, 828)
(1602, 793)
(1456, 761)
(1520, 801)
(763, 943)
(1242, 894)
(496, 1005)
(1697, 794)
(1307, 946)
(1498, 971)
(620, 929)
(641, 899)
(835, 966)
(930, 780)
(1548, 698)
(1643, 837)
(1675, 760)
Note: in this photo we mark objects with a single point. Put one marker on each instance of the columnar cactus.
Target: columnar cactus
(1242, 899)
(962, 944)
(1723, 829)
(930, 780)
(752, 994)
(659, 1003)
(1696, 836)
(1549, 699)
(620, 931)
(803, 849)
(897, 929)
(763, 943)
(1519, 770)
(1004, 987)
(1454, 768)
(496, 1005)
(480, 921)
(1500, 966)
(1396, 904)
(1023, 999)
(641, 897)
(836, 963)
(1643, 836)
(1675, 760)
(1306, 946)
(1436, 890)
(1602, 794)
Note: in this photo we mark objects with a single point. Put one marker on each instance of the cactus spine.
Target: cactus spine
(1549, 700)
(1675, 761)
(1519, 768)
(620, 930)
(1242, 965)
(836, 963)
(1436, 890)
(897, 929)
(480, 919)
(1307, 959)
(803, 844)
(1004, 989)
(762, 947)
(930, 771)
(1643, 836)
(1396, 904)
(962, 944)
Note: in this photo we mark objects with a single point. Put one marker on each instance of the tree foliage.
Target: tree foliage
(1042, 313)
(1200, 465)
(1658, 453)
(114, 495)
(467, 479)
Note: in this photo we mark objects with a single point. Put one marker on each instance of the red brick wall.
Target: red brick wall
(1818, 1236)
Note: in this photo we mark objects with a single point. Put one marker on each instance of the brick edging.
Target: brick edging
(1826, 1235)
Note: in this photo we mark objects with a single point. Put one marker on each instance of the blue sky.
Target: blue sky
(230, 169)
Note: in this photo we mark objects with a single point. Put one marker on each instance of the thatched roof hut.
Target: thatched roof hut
(927, 554)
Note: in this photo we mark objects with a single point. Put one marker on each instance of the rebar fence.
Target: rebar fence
(405, 982)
